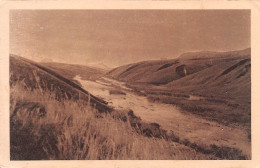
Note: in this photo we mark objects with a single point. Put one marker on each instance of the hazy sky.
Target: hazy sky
(116, 37)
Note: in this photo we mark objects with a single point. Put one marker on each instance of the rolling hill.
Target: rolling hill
(200, 72)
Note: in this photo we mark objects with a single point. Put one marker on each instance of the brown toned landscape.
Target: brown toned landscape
(195, 106)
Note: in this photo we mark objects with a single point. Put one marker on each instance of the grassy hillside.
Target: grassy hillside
(35, 76)
(53, 118)
(230, 79)
(165, 71)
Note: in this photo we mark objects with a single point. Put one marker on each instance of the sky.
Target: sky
(118, 37)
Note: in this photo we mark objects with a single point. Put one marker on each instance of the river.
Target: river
(169, 117)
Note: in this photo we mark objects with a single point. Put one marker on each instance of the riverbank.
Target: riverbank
(184, 125)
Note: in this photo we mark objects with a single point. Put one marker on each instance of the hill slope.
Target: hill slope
(202, 70)
(36, 76)
(228, 79)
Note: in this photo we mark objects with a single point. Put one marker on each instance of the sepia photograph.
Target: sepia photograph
(130, 84)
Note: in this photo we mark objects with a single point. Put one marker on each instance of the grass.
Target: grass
(43, 127)
(222, 111)
(225, 112)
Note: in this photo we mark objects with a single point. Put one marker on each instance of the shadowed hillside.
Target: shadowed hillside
(35, 76)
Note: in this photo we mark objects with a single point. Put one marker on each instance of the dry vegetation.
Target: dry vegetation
(53, 118)
(44, 128)
(222, 111)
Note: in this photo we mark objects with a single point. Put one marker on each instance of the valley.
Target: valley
(197, 106)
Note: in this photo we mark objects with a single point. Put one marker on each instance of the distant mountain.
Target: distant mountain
(72, 70)
(210, 54)
(100, 66)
